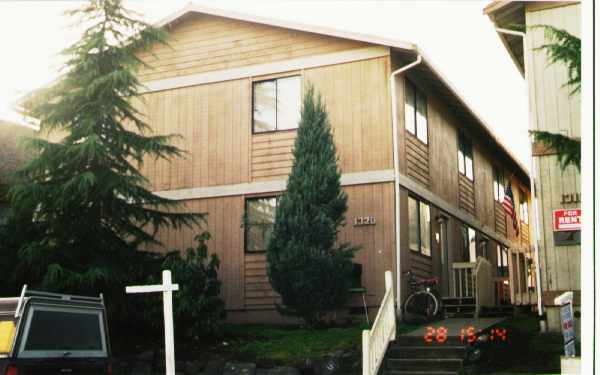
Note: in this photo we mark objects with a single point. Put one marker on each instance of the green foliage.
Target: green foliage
(307, 267)
(92, 207)
(289, 346)
(197, 308)
(568, 149)
(564, 48)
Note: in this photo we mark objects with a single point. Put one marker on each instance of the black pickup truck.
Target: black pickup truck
(48, 333)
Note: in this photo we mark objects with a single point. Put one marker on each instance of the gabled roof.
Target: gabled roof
(192, 8)
(426, 70)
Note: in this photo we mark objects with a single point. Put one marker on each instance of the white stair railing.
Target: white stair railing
(463, 279)
(376, 340)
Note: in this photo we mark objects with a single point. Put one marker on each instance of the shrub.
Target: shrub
(307, 267)
(198, 309)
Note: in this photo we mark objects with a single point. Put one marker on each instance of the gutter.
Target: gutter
(532, 179)
(397, 178)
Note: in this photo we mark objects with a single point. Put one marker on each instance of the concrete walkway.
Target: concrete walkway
(455, 325)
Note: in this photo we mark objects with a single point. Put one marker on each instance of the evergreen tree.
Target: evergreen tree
(564, 48)
(307, 266)
(84, 193)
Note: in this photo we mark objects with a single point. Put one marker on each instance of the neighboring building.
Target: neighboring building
(553, 109)
(12, 156)
(231, 85)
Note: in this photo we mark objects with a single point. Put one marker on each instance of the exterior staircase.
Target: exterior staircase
(459, 307)
(410, 355)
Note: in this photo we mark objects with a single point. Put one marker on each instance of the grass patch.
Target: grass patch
(270, 345)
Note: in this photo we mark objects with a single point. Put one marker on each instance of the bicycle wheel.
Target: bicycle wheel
(421, 305)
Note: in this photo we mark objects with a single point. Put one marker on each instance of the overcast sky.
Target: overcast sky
(455, 35)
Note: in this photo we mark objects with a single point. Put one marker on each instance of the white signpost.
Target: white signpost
(167, 289)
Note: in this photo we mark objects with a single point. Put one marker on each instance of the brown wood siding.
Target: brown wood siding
(244, 276)
(213, 125)
(500, 218)
(524, 234)
(203, 43)
(258, 293)
(443, 150)
(357, 101)
(417, 159)
(223, 221)
(466, 194)
(272, 155)
(421, 265)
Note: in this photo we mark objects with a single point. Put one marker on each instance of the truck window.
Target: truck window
(7, 334)
(61, 331)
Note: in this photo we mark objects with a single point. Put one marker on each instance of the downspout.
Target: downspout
(538, 274)
(397, 177)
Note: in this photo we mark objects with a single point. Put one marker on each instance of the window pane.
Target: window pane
(409, 107)
(472, 246)
(78, 331)
(264, 101)
(422, 117)
(501, 190)
(413, 225)
(461, 162)
(469, 168)
(288, 103)
(260, 216)
(496, 190)
(425, 229)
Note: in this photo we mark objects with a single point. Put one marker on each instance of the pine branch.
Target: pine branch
(568, 149)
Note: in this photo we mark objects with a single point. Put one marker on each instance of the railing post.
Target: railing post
(366, 359)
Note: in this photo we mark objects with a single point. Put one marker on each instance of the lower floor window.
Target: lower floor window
(419, 226)
(469, 244)
(259, 220)
(502, 256)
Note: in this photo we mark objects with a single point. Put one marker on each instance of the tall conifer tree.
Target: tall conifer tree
(91, 205)
(308, 267)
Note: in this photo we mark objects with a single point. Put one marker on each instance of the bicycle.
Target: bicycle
(424, 302)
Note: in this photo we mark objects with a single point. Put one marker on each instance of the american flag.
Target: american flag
(509, 207)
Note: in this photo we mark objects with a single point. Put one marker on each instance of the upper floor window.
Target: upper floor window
(498, 185)
(276, 104)
(259, 221)
(415, 111)
(419, 226)
(502, 260)
(465, 157)
(523, 207)
(469, 243)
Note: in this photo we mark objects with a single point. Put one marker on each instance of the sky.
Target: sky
(455, 35)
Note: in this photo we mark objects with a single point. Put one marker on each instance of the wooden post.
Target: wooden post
(167, 288)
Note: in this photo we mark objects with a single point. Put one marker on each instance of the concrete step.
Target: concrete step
(424, 352)
(419, 341)
(458, 300)
(428, 364)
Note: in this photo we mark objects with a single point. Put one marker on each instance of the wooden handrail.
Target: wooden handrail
(376, 340)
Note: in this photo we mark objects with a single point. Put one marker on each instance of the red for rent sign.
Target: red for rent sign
(566, 220)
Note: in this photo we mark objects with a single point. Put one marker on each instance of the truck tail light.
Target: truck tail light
(109, 369)
(12, 370)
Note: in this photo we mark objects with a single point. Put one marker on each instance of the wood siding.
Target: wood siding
(213, 125)
(500, 218)
(554, 109)
(258, 293)
(272, 155)
(466, 194)
(203, 43)
(417, 159)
